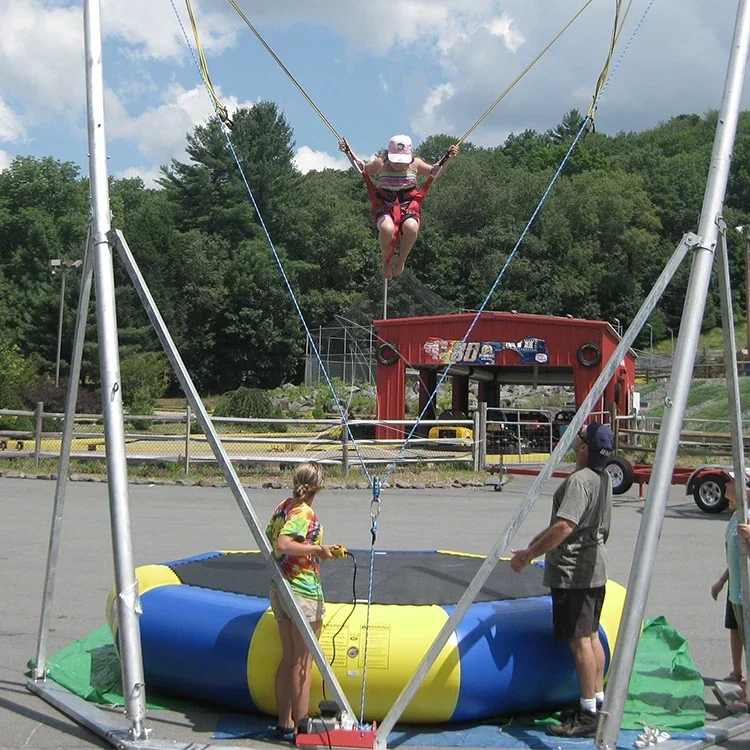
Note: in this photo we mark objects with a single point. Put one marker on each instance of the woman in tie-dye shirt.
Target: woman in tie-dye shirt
(296, 537)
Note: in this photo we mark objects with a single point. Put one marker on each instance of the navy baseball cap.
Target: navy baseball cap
(601, 442)
(747, 478)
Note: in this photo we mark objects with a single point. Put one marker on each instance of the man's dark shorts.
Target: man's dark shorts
(730, 621)
(576, 612)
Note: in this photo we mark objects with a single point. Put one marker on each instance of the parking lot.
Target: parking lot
(174, 522)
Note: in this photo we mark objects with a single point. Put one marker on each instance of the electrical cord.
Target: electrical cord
(346, 619)
(319, 715)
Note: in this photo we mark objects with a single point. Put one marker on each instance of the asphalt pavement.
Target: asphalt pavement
(174, 522)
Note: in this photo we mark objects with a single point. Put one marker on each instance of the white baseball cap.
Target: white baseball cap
(400, 149)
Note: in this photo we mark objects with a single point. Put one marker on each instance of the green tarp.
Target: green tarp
(666, 689)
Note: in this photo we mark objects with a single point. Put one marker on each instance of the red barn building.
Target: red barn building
(502, 349)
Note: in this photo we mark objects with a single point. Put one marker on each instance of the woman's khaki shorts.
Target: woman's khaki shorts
(313, 610)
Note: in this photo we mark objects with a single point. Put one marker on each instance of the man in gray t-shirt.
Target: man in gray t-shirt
(576, 569)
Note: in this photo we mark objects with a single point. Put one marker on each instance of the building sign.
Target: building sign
(530, 350)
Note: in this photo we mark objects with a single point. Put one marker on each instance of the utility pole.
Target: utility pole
(64, 266)
(743, 230)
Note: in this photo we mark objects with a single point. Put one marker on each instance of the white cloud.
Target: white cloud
(659, 77)
(159, 132)
(149, 175)
(5, 160)
(153, 31)
(41, 55)
(504, 27)
(378, 25)
(307, 160)
(431, 119)
(41, 47)
(11, 127)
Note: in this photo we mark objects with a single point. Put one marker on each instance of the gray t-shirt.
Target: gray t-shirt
(580, 562)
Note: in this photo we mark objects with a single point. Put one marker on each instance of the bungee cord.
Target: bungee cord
(617, 28)
(221, 110)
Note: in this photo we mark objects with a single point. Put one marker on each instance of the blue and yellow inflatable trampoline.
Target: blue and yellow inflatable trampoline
(208, 634)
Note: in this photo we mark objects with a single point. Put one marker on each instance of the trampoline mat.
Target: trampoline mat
(399, 577)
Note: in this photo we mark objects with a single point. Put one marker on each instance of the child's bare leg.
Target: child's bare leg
(409, 233)
(386, 230)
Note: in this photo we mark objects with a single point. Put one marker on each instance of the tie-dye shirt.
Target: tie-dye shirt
(298, 520)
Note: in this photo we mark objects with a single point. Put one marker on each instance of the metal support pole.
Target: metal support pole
(227, 468)
(475, 443)
(188, 417)
(482, 434)
(735, 415)
(677, 393)
(370, 376)
(566, 441)
(63, 273)
(518, 432)
(63, 466)
(38, 432)
(344, 448)
(128, 604)
(343, 358)
(385, 299)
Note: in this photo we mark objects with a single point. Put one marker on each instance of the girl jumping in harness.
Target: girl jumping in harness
(392, 184)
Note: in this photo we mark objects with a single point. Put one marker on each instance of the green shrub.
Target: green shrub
(245, 403)
(16, 373)
(145, 377)
(142, 405)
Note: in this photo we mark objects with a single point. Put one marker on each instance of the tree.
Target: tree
(43, 215)
(209, 194)
(568, 128)
(435, 147)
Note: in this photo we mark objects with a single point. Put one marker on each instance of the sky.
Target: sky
(374, 68)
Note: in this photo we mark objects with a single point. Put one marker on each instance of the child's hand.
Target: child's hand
(716, 589)
(325, 552)
(743, 529)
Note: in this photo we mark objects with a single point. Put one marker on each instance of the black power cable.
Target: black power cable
(346, 619)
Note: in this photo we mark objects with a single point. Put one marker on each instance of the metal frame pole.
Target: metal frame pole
(677, 393)
(735, 413)
(188, 417)
(63, 272)
(63, 467)
(227, 468)
(688, 241)
(39, 411)
(128, 603)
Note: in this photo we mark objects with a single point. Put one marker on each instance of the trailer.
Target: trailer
(707, 484)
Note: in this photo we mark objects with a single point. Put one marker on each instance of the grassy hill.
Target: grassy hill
(708, 400)
(710, 340)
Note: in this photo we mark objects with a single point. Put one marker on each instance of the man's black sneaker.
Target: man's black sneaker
(581, 724)
(567, 714)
